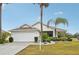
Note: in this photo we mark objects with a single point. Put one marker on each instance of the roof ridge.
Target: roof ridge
(25, 25)
(46, 25)
(36, 23)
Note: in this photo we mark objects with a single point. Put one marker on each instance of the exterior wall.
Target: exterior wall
(25, 36)
(28, 35)
(53, 33)
(45, 28)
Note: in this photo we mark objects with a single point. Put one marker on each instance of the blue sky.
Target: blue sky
(15, 15)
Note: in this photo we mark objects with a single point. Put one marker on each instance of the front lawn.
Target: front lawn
(60, 48)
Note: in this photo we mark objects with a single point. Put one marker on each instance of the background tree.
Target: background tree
(76, 35)
(69, 35)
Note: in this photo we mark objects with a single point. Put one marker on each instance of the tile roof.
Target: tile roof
(49, 26)
(26, 27)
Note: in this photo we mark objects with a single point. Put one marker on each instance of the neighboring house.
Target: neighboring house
(29, 33)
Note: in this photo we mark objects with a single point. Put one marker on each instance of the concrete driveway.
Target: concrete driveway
(12, 48)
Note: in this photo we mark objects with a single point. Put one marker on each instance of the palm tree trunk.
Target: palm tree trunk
(0, 21)
(41, 20)
(55, 30)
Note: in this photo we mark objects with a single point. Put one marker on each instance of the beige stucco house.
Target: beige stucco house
(29, 33)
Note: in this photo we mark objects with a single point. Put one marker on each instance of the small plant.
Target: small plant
(44, 37)
(11, 39)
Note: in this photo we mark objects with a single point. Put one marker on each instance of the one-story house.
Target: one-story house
(30, 33)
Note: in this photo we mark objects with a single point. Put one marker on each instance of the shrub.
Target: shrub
(61, 34)
(59, 39)
(49, 39)
(43, 40)
(1, 41)
(44, 37)
(68, 39)
(11, 39)
(4, 36)
(62, 38)
(54, 39)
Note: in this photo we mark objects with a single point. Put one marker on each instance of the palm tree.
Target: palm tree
(58, 20)
(41, 18)
(0, 21)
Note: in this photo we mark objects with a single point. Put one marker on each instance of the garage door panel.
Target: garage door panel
(23, 36)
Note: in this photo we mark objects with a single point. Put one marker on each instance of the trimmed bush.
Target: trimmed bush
(49, 39)
(68, 39)
(54, 39)
(62, 38)
(43, 40)
(11, 39)
(1, 41)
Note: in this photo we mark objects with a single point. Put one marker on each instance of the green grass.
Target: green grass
(60, 48)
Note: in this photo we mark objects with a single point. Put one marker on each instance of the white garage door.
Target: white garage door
(24, 36)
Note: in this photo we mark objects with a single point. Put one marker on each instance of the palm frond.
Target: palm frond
(61, 21)
(45, 4)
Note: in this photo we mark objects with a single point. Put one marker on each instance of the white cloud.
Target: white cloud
(58, 13)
